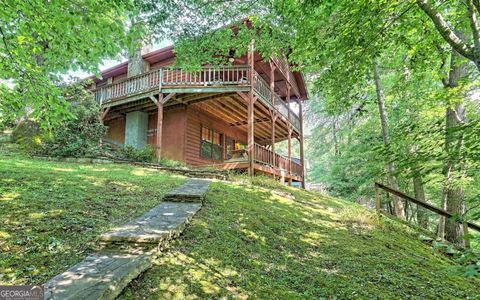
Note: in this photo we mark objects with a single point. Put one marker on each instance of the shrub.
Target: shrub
(80, 135)
(28, 135)
(171, 163)
(145, 154)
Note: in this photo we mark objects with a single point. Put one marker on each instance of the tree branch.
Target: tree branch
(476, 3)
(445, 31)
(472, 15)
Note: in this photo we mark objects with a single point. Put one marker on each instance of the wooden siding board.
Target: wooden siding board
(197, 117)
(116, 130)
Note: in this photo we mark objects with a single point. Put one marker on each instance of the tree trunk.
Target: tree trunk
(422, 218)
(397, 202)
(335, 139)
(453, 193)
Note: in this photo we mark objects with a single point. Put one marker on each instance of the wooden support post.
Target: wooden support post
(274, 121)
(250, 114)
(378, 206)
(466, 237)
(289, 138)
(102, 114)
(274, 116)
(158, 138)
(101, 117)
(302, 154)
(289, 166)
(272, 81)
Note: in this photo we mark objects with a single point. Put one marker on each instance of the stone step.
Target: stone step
(104, 275)
(99, 276)
(162, 223)
(192, 191)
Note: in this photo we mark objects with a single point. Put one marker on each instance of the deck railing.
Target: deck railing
(130, 86)
(282, 63)
(205, 77)
(263, 90)
(235, 75)
(270, 158)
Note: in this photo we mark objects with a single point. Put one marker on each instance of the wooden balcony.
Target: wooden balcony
(267, 162)
(206, 80)
(279, 162)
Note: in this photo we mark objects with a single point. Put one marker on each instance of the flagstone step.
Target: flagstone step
(99, 276)
(104, 275)
(192, 191)
(164, 222)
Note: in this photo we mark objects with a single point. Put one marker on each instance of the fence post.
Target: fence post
(377, 199)
(465, 234)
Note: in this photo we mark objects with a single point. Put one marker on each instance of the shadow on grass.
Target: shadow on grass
(52, 213)
(248, 242)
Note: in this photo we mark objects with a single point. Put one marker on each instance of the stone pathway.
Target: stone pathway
(164, 222)
(99, 276)
(193, 191)
(104, 275)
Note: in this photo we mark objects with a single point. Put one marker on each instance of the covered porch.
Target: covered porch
(255, 99)
(266, 162)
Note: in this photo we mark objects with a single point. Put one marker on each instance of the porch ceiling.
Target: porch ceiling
(230, 107)
(233, 109)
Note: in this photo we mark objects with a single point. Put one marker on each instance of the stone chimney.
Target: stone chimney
(136, 64)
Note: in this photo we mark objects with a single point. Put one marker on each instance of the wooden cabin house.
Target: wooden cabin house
(228, 117)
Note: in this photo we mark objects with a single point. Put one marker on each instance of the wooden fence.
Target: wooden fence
(423, 204)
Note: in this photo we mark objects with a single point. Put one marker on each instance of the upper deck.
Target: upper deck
(206, 80)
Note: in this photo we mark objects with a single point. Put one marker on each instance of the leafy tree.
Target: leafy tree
(40, 41)
(464, 19)
(79, 135)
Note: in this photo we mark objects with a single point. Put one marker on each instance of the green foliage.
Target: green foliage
(79, 135)
(28, 135)
(171, 163)
(53, 212)
(40, 41)
(145, 154)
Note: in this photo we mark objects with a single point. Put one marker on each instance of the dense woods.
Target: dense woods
(393, 83)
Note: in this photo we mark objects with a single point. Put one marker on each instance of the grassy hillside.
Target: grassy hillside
(260, 241)
(52, 213)
(250, 242)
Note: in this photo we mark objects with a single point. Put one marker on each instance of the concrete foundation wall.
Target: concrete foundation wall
(136, 127)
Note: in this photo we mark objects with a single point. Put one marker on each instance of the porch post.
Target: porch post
(250, 117)
(101, 117)
(300, 135)
(158, 138)
(272, 80)
(274, 121)
(274, 116)
(289, 137)
(102, 114)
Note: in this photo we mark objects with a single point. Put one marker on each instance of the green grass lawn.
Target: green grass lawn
(52, 213)
(248, 242)
(260, 241)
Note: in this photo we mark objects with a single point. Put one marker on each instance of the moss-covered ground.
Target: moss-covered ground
(253, 239)
(51, 213)
(275, 242)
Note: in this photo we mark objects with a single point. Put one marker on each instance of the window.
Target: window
(211, 146)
